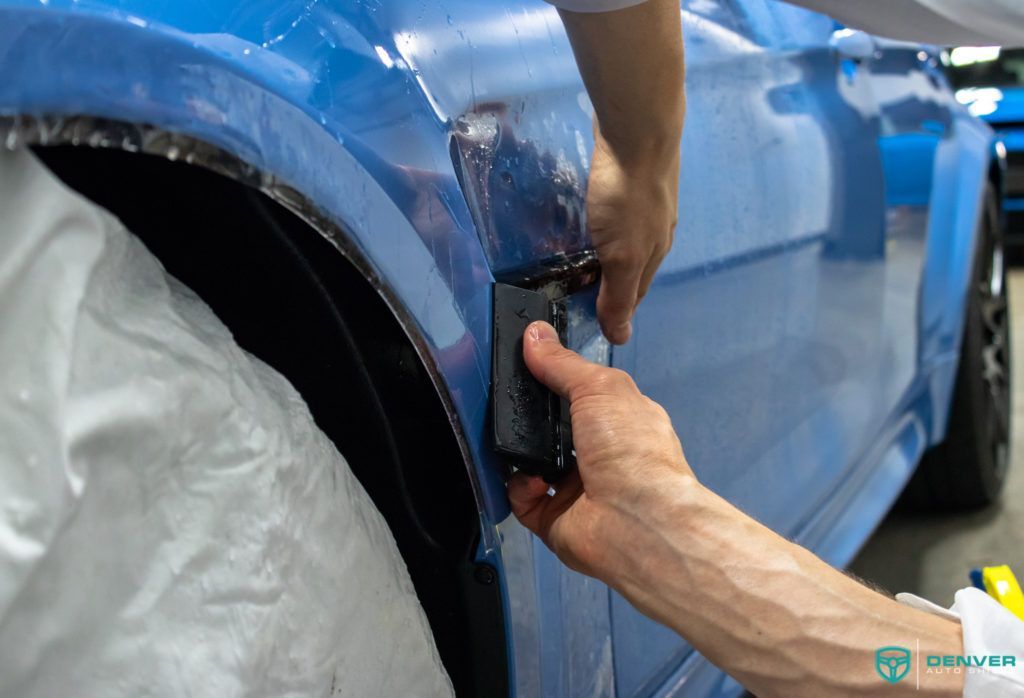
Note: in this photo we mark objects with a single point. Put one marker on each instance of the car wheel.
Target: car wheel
(968, 469)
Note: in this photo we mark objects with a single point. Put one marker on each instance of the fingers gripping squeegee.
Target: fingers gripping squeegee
(532, 429)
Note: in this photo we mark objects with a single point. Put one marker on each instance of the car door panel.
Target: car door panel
(916, 122)
(760, 334)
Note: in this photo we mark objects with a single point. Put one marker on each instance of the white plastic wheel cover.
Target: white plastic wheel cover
(172, 522)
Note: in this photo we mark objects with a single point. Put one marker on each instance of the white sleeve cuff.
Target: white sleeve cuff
(988, 629)
(991, 629)
(594, 5)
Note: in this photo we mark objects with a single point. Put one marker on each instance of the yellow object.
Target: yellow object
(1002, 585)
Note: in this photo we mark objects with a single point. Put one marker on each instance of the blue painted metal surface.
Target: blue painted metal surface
(803, 333)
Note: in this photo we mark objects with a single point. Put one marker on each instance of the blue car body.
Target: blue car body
(803, 333)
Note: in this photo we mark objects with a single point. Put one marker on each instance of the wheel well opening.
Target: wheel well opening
(290, 298)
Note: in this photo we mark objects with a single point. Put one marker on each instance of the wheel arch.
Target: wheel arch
(261, 115)
(315, 318)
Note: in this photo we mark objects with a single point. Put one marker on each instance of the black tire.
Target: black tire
(968, 469)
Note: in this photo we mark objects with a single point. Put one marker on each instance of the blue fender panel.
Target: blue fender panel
(960, 177)
(319, 99)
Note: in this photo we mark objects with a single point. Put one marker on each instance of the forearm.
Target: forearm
(631, 61)
(767, 611)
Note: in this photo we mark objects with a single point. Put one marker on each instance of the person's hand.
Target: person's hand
(633, 67)
(628, 457)
(631, 216)
(751, 602)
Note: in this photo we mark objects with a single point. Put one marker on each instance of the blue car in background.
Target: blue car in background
(345, 181)
(990, 81)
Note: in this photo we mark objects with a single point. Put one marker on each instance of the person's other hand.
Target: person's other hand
(633, 67)
(628, 457)
(631, 216)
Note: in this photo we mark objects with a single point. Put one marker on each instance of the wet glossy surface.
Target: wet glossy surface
(802, 333)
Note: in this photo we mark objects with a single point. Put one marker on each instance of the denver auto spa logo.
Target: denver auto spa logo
(893, 663)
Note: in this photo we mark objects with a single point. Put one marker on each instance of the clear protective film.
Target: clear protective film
(173, 522)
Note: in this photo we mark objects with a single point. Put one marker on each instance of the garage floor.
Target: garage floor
(930, 555)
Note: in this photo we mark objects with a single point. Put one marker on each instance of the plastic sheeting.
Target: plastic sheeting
(171, 520)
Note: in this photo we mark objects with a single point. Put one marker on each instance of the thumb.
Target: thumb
(560, 369)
